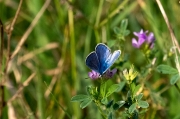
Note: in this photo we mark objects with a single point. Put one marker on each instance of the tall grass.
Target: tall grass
(49, 40)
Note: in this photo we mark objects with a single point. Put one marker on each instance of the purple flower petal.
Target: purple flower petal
(150, 38)
(151, 45)
(110, 73)
(141, 34)
(142, 38)
(114, 71)
(93, 75)
(141, 41)
(135, 43)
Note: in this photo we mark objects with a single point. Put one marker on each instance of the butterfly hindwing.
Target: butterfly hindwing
(92, 61)
(112, 58)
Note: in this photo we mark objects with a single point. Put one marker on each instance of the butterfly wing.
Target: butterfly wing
(101, 59)
(103, 52)
(111, 59)
(92, 62)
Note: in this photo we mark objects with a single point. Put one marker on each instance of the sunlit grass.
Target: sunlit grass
(53, 47)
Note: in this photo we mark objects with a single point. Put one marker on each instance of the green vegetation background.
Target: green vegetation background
(65, 34)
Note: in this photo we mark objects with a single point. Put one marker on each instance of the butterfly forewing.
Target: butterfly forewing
(92, 61)
(103, 53)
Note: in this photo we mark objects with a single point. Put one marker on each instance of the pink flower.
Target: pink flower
(143, 38)
(93, 75)
(150, 40)
(110, 73)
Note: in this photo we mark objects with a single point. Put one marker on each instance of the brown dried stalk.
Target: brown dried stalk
(1, 70)
(9, 33)
(25, 83)
(31, 27)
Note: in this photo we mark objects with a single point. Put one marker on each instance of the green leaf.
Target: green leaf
(174, 79)
(78, 98)
(127, 32)
(116, 30)
(123, 26)
(135, 115)
(121, 86)
(133, 85)
(85, 103)
(112, 89)
(136, 89)
(103, 89)
(129, 94)
(118, 105)
(115, 88)
(104, 101)
(132, 108)
(111, 43)
(139, 97)
(143, 104)
(109, 104)
(89, 90)
(177, 116)
(166, 69)
(110, 116)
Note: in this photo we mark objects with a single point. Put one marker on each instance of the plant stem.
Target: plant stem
(40, 100)
(1, 69)
(130, 86)
(101, 111)
(153, 113)
(146, 57)
(98, 16)
(113, 13)
(99, 12)
(102, 88)
(177, 87)
(72, 46)
(66, 112)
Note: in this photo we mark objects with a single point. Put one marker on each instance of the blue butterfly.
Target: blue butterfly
(101, 59)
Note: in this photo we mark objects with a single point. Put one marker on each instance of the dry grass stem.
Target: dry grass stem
(174, 40)
(11, 111)
(31, 27)
(30, 55)
(55, 77)
(2, 44)
(9, 33)
(26, 83)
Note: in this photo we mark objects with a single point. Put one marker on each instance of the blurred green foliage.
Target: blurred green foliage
(60, 41)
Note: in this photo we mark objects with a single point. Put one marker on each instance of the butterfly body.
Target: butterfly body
(102, 59)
